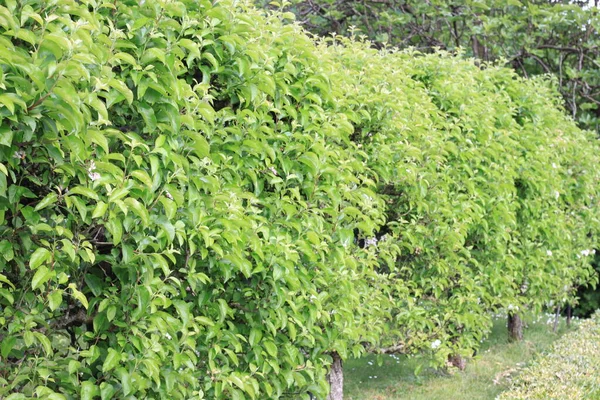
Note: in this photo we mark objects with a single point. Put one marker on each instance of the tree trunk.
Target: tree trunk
(336, 379)
(515, 327)
(458, 361)
(569, 315)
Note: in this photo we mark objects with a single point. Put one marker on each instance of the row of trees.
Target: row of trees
(200, 201)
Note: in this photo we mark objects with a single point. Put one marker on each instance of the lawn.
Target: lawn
(485, 377)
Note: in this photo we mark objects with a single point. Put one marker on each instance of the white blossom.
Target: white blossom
(169, 195)
(371, 242)
(94, 176)
(549, 253)
(436, 343)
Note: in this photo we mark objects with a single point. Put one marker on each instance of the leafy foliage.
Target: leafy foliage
(532, 36)
(569, 371)
(175, 204)
(483, 211)
(196, 201)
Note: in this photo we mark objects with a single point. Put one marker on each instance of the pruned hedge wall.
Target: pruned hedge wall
(199, 201)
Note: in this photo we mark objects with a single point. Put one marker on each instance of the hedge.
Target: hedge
(570, 371)
(199, 201)
(490, 191)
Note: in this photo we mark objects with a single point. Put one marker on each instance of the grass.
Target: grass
(486, 376)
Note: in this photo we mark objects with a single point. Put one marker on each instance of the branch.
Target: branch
(396, 349)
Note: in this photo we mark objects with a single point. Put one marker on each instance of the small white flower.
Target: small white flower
(274, 171)
(169, 195)
(92, 166)
(94, 176)
(370, 241)
(19, 154)
(556, 194)
(168, 336)
(554, 165)
(549, 253)
(586, 252)
(436, 343)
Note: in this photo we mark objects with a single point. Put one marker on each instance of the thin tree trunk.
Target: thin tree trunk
(336, 379)
(569, 315)
(458, 361)
(515, 327)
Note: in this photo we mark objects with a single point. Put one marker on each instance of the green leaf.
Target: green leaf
(4, 279)
(148, 116)
(84, 191)
(94, 283)
(16, 396)
(88, 390)
(271, 348)
(125, 378)
(55, 299)
(78, 295)
(41, 276)
(38, 257)
(45, 342)
(6, 249)
(201, 146)
(117, 194)
(98, 137)
(46, 201)
(107, 391)
(122, 88)
(115, 229)
(7, 345)
(6, 136)
(99, 210)
(76, 146)
(113, 358)
(143, 177)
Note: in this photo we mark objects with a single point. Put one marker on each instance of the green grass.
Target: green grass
(485, 377)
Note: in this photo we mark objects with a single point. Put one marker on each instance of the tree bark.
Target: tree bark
(569, 315)
(336, 379)
(515, 327)
(458, 361)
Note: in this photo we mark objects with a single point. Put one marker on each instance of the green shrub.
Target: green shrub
(198, 202)
(470, 161)
(570, 371)
(176, 207)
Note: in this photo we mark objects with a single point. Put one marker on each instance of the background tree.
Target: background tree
(532, 36)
